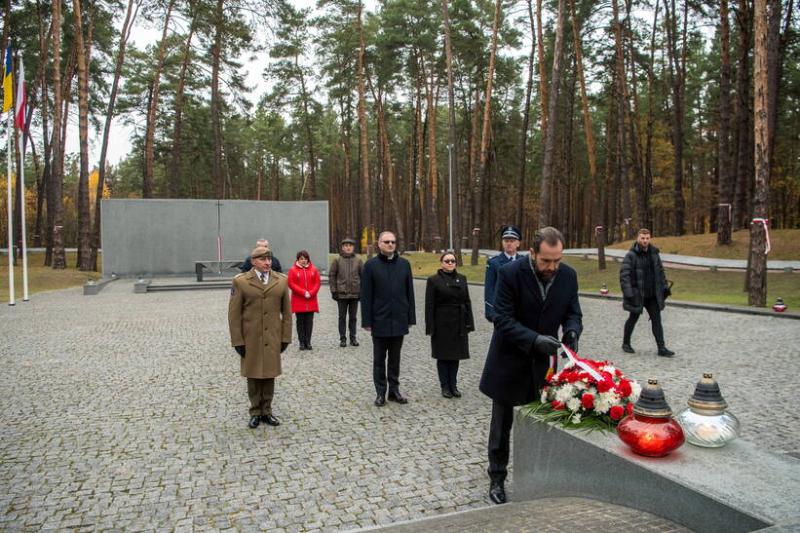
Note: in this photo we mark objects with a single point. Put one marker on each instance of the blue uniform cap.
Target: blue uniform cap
(511, 232)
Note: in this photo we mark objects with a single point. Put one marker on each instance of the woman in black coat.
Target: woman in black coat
(448, 320)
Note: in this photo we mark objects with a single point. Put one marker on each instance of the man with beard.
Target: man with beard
(534, 297)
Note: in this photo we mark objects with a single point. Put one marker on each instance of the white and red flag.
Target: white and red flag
(21, 99)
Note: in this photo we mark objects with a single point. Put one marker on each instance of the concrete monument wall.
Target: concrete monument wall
(158, 237)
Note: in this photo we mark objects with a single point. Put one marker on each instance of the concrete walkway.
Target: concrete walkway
(126, 411)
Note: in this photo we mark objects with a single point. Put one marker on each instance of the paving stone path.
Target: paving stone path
(127, 411)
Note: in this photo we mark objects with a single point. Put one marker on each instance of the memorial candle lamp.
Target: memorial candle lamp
(650, 429)
(604, 289)
(779, 306)
(706, 422)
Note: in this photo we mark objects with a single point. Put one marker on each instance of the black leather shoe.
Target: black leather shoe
(254, 421)
(380, 401)
(397, 397)
(354, 342)
(343, 343)
(456, 392)
(446, 392)
(627, 348)
(270, 420)
(497, 493)
(664, 352)
(302, 346)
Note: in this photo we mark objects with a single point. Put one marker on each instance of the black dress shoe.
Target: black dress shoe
(343, 343)
(354, 342)
(446, 392)
(254, 421)
(456, 392)
(397, 397)
(497, 493)
(665, 352)
(270, 420)
(627, 348)
(380, 401)
(308, 347)
(302, 346)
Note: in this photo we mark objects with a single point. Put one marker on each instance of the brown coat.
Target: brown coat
(260, 318)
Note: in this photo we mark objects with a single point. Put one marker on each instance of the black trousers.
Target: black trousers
(260, 392)
(348, 305)
(305, 323)
(500, 440)
(651, 304)
(448, 373)
(383, 349)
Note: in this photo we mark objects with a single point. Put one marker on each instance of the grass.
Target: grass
(785, 245)
(690, 285)
(42, 278)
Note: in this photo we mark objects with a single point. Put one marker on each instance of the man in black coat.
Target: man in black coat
(644, 286)
(387, 310)
(247, 264)
(534, 298)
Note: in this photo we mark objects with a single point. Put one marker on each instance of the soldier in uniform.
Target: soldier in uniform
(260, 321)
(511, 236)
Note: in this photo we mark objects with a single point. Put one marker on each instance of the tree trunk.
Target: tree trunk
(84, 222)
(483, 173)
(216, 119)
(677, 67)
(177, 128)
(744, 146)
(59, 259)
(310, 188)
(724, 169)
(433, 173)
(542, 69)
(526, 113)
(363, 152)
(622, 106)
(552, 112)
(454, 216)
(757, 269)
(648, 166)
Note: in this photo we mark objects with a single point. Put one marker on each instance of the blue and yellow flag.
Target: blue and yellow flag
(8, 82)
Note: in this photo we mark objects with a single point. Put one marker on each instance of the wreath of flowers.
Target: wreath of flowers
(586, 393)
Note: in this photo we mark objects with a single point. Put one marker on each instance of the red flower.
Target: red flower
(629, 408)
(558, 406)
(605, 385)
(624, 388)
(616, 412)
(587, 400)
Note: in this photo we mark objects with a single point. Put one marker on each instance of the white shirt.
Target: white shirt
(263, 276)
(511, 257)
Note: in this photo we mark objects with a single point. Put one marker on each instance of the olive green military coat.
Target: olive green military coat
(260, 318)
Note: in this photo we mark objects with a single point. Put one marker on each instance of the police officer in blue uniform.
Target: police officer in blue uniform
(511, 236)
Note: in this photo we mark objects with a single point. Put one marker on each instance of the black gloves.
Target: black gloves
(335, 296)
(570, 338)
(546, 345)
(284, 345)
(240, 350)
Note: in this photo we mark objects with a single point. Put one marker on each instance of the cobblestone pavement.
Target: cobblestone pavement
(127, 411)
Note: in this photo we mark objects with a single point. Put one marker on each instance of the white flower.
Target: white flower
(576, 418)
(580, 385)
(609, 368)
(601, 405)
(544, 397)
(573, 404)
(565, 393)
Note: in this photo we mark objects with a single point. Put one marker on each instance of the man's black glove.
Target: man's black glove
(284, 345)
(546, 345)
(570, 338)
(335, 296)
(239, 350)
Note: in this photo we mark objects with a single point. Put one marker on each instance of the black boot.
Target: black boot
(497, 492)
(627, 348)
(353, 341)
(343, 343)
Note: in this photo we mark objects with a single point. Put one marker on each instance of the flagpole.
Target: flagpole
(21, 98)
(10, 215)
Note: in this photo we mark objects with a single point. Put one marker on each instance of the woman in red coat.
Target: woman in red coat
(304, 283)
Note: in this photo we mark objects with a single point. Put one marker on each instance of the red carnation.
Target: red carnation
(558, 406)
(587, 400)
(624, 387)
(629, 408)
(605, 385)
(616, 412)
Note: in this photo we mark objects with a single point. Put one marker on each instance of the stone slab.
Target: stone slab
(740, 487)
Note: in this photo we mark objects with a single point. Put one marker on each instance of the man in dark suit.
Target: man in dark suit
(534, 298)
(247, 264)
(511, 236)
(387, 310)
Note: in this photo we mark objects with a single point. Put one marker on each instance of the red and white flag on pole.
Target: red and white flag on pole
(21, 99)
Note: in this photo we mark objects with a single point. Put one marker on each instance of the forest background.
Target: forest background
(595, 117)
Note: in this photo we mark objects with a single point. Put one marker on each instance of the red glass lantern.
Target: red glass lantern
(651, 430)
(604, 290)
(779, 306)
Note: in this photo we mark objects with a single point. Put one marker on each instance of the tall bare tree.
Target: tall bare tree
(177, 127)
(677, 70)
(724, 167)
(216, 111)
(55, 199)
(84, 222)
(363, 152)
(453, 151)
(526, 113)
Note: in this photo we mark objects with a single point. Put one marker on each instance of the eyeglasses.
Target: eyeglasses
(388, 242)
(448, 261)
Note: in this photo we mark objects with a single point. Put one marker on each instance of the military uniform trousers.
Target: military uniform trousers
(260, 392)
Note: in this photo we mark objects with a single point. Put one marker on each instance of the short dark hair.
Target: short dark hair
(643, 231)
(547, 234)
(303, 253)
(448, 252)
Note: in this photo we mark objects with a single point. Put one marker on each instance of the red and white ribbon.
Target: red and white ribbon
(766, 230)
(581, 363)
